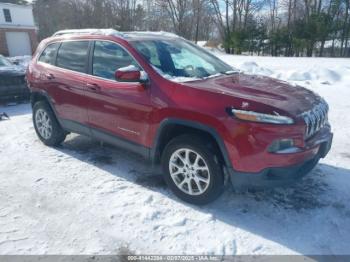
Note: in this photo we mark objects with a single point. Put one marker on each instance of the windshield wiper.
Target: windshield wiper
(230, 72)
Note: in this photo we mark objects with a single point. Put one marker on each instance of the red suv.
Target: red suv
(178, 105)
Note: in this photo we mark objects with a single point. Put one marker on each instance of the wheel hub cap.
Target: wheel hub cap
(189, 171)
(43, 124)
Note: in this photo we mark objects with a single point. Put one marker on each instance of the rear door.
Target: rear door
(68, 82)
(41, 72)
(117, 108)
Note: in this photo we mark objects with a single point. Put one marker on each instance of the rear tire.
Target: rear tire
(46, 125)
(192, 170)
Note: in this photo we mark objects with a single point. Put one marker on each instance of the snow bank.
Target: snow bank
(322, 75)
(327, 75)
(202, 43)
(304, 70)
(253, 68)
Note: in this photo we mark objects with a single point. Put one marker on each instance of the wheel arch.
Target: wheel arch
(172, 127)
(39, 96)
(43, 96)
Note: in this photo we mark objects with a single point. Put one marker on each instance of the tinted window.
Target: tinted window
(7, 15)
(72, 55)
(49, 54)
(108, 57)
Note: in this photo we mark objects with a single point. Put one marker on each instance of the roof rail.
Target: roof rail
(91, 31)
(160, 33)
(112, 32)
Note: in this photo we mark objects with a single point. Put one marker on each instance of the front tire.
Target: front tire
(192, 170)
(46, 125)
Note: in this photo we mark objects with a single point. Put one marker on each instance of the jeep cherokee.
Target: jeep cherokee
(177, 105)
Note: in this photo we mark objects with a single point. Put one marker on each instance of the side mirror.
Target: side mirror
(130, 74)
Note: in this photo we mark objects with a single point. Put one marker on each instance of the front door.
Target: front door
(120, 109)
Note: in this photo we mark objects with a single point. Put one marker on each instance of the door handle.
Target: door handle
(93, 87)
(50, 76)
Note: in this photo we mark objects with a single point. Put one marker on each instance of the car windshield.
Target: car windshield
(180, 60)
(4, 62)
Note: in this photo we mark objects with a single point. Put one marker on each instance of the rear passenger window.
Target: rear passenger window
(73, 55)
(108, 57)
(49, 54)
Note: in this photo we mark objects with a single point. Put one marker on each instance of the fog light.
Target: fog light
(281, 145)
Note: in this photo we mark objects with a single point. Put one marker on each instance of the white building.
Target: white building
(17, 30)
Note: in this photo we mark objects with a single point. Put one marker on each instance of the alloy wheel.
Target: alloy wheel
(189, 171)
(43, 123)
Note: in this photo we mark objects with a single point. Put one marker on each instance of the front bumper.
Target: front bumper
(283, 175)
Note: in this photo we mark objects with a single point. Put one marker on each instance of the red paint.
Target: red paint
(127, 75)
(134, 111)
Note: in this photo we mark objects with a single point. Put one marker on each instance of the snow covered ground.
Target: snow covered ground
(84, 198)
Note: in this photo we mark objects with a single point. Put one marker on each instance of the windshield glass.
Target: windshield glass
(180, 60)
(5, 62)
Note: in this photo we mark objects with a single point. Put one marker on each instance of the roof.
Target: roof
(112, 32)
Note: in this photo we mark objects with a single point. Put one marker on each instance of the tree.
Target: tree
(345, 29)
(179, 15)
(17, 2)
(273, 27)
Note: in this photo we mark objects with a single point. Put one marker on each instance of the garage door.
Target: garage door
(18, 43)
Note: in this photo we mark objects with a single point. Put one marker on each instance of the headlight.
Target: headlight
(263, 118)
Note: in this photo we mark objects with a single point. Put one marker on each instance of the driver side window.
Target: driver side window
(108, 57)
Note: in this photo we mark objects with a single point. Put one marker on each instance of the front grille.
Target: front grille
(316, 118)
(11, 80)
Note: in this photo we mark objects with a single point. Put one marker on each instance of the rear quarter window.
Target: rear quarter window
(49, 54)
(73, 55)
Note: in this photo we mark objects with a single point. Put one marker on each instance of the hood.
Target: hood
(274, 94)
(12, 70)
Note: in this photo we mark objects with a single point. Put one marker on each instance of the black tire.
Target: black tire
(58, 135)
(216, 185)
